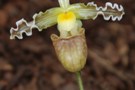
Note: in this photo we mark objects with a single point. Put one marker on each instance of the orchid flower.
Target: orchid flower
(70, 46)
(67, 17)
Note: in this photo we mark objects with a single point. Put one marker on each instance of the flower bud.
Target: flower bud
(71, 51)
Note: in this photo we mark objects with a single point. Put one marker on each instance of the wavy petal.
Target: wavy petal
(91, 11)
(40, 21)
(22, 27)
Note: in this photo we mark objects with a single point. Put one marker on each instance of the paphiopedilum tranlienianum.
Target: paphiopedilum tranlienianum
(71, 46)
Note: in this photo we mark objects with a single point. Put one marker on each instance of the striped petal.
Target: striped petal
(91, 11)
(40, 21)
(47, 19)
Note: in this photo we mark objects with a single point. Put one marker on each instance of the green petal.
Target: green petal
(47, 19)
(91, 11)
(63, 3)
(82, 11)
(40, 21)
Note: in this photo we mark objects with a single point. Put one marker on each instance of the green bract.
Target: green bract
(47, 19)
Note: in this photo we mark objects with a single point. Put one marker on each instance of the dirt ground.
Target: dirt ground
(31, 63)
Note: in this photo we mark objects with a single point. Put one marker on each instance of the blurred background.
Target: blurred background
(31, 63)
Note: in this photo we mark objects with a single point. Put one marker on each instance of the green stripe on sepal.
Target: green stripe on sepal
(64, 3)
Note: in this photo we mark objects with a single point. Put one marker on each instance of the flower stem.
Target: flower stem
(79, 80)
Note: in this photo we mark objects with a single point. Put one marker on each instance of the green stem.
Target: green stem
(79, 79)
